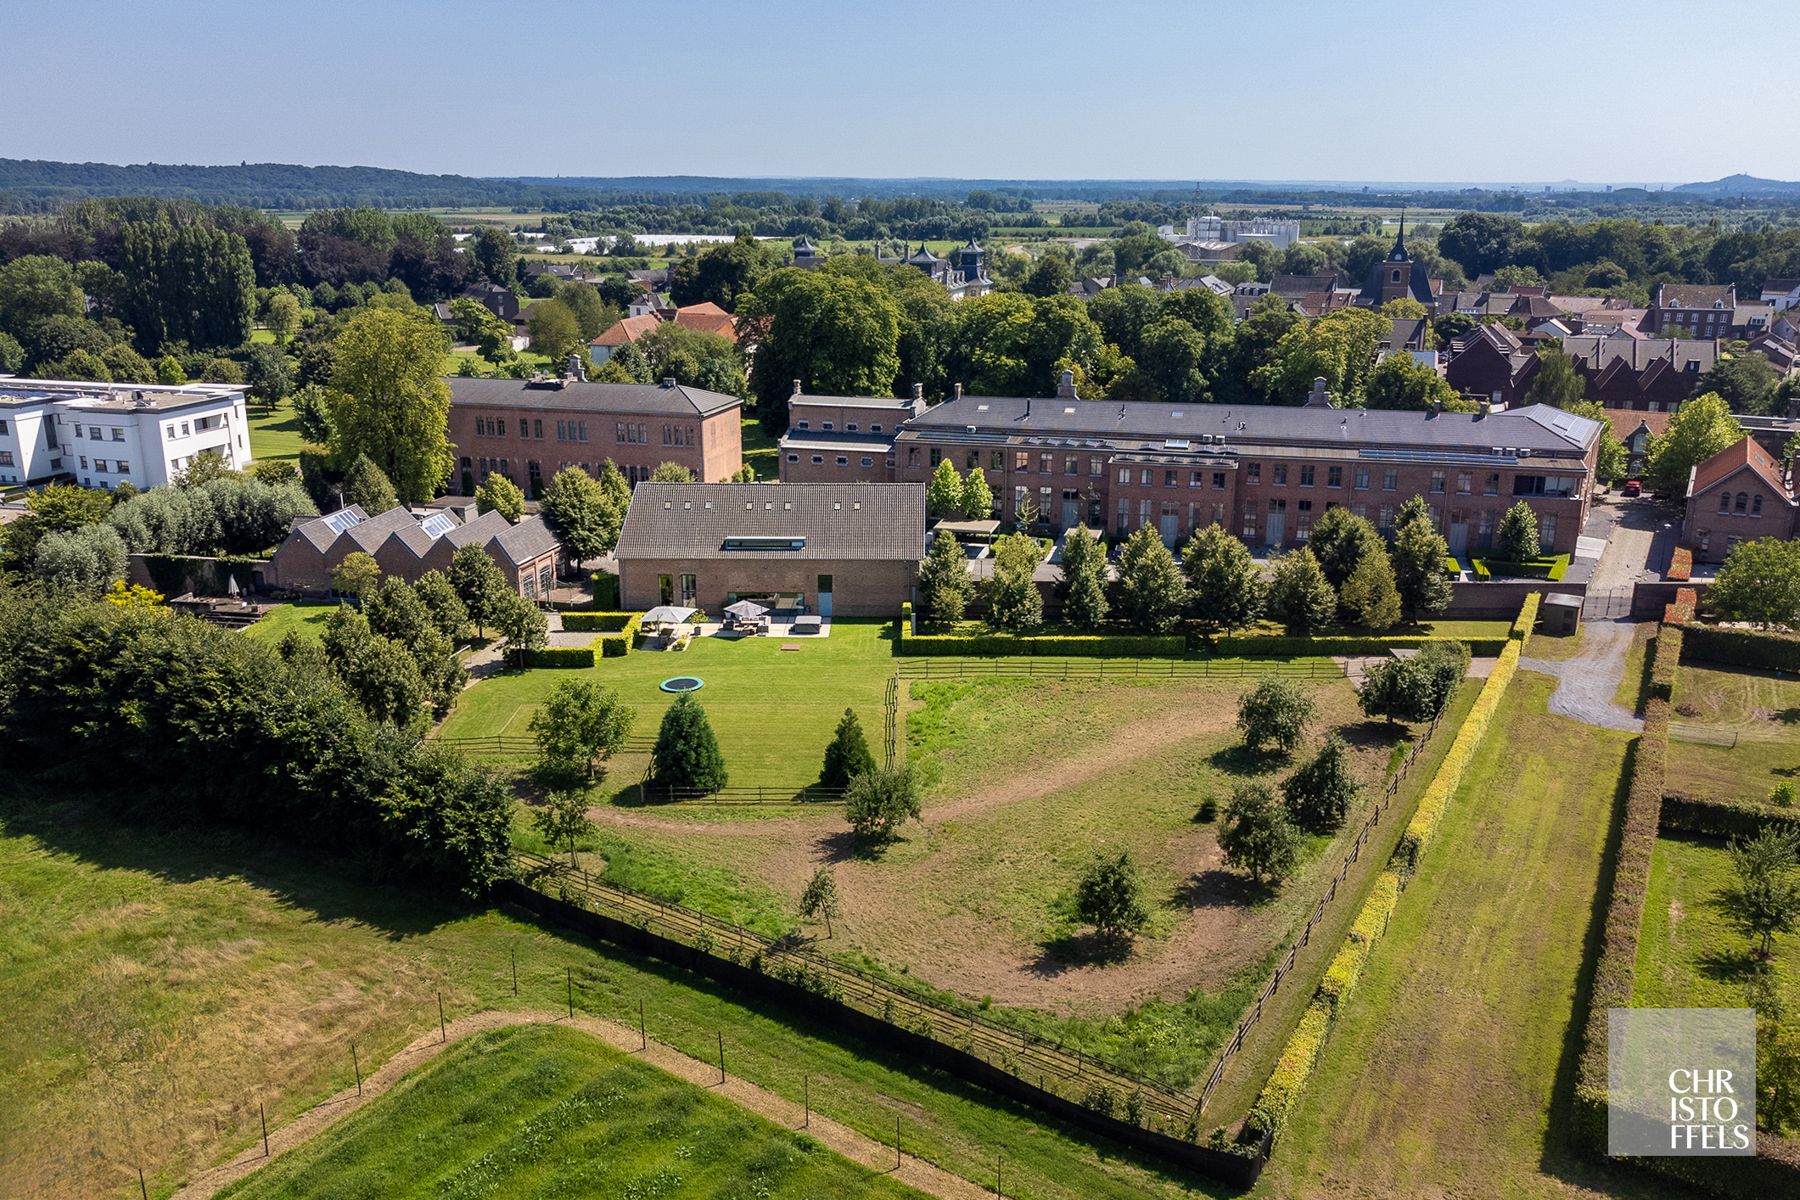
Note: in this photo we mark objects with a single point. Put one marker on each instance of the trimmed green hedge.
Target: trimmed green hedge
(1055, 645)
(1292, 1070)
(1443, 785)
(1667, 662)
(1741, 648)
(606, 591)
(598, 622)
(1276, 646)
(1616, 969)
(618, 645)
(1722, 819)
(571, 657)
(1526, 621)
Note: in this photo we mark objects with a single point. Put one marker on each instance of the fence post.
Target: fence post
(515, 969)
(806, 1100)
(569, 977)
(643, 1038)
(263, 1115)
(721, 1034)
(356, 1065)
(443, 1034)
(142, 1189)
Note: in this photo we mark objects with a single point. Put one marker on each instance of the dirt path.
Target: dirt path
(842, 1139)
(1587, 682)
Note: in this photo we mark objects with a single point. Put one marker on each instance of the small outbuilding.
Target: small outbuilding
(1559, 615)
(844, 549)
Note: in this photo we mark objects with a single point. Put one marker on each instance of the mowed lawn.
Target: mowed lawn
(542, 1111)
(157, 986)
(1690, 955)
(773, 709)
(275, 432)
(1761, 711)
(306, 618)
(1440, 1077)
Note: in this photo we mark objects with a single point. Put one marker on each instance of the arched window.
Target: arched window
(1743, 501)
(1756, 506)
(1724, 502)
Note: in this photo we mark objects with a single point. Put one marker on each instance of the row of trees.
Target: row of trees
(198, 724)
(1346, 574)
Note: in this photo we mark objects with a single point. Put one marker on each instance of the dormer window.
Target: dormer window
(827, 426)
(802, 425)
(874, 428)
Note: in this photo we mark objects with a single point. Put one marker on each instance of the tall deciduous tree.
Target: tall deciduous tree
(479, 584)
(1556, 381)
(391, 404)
(499, 494)
(1321, 791)
(1759, 583)
(1014, 602)
(944, 583)
(578, 727)
(364, 484)
(562, 820)
(188, 283)
(1256, 834)
(581, 513)
(1300, 596)
(1400, 382)
(1340, 540)
(1225, 590)
(1517, 539)
(944, 492)
(1110, 896)
(1703, 427)
(356, 574)
(1369, 598)
(977, 502)
(1084, 579)
(522, 626)
(878, 802)
(1275, 714)
(1417, 554)
(836, 333)
(1151, 586)
(820, 898)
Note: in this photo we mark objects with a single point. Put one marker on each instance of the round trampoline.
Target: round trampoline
(682, 683)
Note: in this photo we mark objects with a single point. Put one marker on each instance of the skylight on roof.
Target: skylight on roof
(437, 525)
(341, 520)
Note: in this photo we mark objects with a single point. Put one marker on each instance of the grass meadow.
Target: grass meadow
(1690, 955)
(544, 1112)
(159, 984)
(1759, 710)
(307, 617)
(1450, 1067)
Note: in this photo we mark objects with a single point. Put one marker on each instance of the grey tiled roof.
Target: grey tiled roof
(673, 400)
(838, 520)
(521, 543)
(371, 533)
(488, 525)
(1128, 425)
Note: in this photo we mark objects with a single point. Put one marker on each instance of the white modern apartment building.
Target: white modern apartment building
(104, 434)
(1279, 234)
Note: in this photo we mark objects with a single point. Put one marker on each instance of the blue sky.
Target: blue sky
(1368, 90)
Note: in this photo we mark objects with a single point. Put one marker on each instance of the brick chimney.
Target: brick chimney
(918, 391)
(1065, 387)
(1318, 397)
(796, 387)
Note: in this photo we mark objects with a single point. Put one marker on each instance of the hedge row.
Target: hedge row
(606, 591)
(598, 622)
(1617, 965)
(1255, 646)
(1665, 662)
(1741, 648)
(1058, 645)
(1443, 785)
(1723, 819)
(1553, 568)
(1526, 621)
(1276, 1100)
(1292, 1069)
(618, 645)
(569, 657)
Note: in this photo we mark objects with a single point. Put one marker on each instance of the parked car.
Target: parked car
(1634, 487)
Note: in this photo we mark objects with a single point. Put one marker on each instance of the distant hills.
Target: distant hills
(28, 185)
(1748, 186)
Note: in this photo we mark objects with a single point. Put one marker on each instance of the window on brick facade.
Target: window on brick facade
(971, 460)
(1437, 482)
(1361, 479)
(1253, 472)
(1096, 467)
(1334, 477)
(1465, 483)
(1279, 477)
(1390, 481)
(1218, 481)
(1021, 460)
(1306, 476)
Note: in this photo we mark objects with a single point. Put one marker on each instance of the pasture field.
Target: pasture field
(1736, 732)
(1690, 955)
(1449, 1071)
(544, 1111)
(159, 984)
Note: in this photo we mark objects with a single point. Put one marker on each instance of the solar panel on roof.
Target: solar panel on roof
(342, 519)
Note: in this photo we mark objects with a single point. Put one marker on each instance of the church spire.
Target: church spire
(1398, 254)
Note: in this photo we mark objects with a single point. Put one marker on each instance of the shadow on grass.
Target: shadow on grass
(332, 887)
(1086, 949)
(845, 845)
(1242, 761)
(1216, 888)
(1371, 734)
